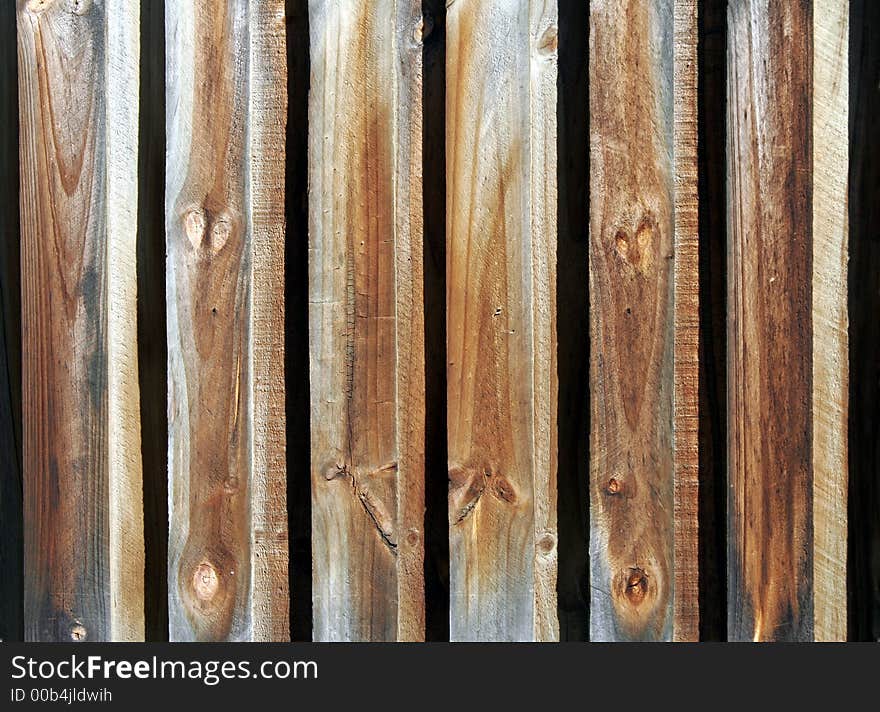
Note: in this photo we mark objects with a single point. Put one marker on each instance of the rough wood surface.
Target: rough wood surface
(227, 571)
(78, 98)
(830, 348)
(686, 366)
(631, 324)
(770, 341)
(501, 72)
(366, 330)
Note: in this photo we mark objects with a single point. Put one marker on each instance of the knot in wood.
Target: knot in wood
(637, 250)
(205, 581)
(547, 544)
(78, 632)
(636, 586)
(548, 42)
(194, 223)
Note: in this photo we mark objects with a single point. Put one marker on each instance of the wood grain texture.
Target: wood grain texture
(501, 70)
(830, 322)
(770, 339)
(686, 300)
(224, 223)
(631, 320)
(78, 101)
(366, 324)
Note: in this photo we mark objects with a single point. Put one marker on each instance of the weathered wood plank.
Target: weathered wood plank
(366, 326)
(686, 301)
(770, 334)
(631, 320)
(830, 344)
(11, 613)
(224, 223)
(501, 70)
(78, 99)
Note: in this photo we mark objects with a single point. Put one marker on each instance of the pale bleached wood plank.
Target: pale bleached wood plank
(830, 320)
(501, 343)
(366, 330)
(686, 301)
(78, 102)
(224, 222)
(632, 197)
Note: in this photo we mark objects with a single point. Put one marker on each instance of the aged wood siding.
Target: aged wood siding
(770, 378)
(78, 94)
(227, 575)
(501, 325)
(366, 330)
(631, 319)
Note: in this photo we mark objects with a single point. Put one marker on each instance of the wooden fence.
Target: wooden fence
(477, 319)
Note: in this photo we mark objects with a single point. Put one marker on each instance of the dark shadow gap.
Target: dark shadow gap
(152, 335)
(863, 561)
(11, 532)
(296, 327)
(712, 436)
(573, 320)
(434, 211)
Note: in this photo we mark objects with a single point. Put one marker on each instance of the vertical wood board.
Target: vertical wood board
(227, 571)
(770, 340)
(501, 73)
(366, 323)
(78, 102)
(632, 196)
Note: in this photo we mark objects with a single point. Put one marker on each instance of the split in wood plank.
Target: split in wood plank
(366, 323)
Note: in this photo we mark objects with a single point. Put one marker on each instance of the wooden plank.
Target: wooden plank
(686, 318)
(770, 339)
(225, 284)
(631, 320)
(830, 322)
(366, 330)
(11, 534)
(501, 69)
(78, 100)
